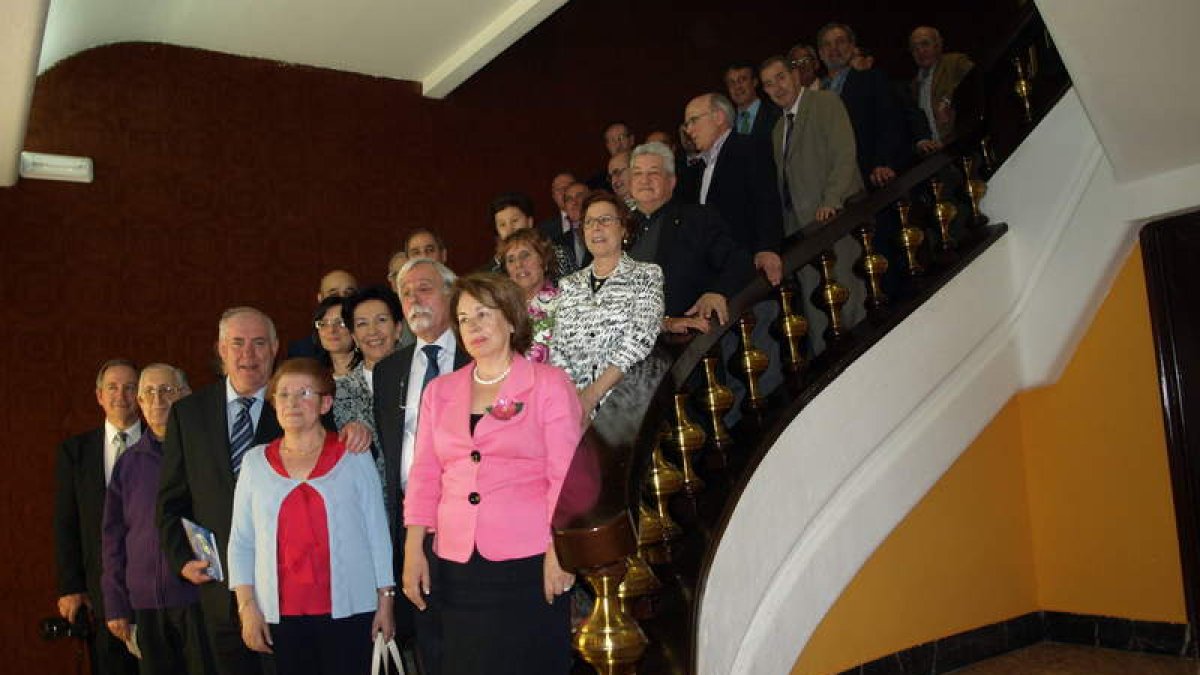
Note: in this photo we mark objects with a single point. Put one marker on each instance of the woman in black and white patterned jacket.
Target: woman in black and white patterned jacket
(610, 312)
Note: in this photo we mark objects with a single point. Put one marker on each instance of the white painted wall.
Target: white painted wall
(854, 462)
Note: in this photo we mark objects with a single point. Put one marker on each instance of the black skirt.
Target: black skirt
(495, 619)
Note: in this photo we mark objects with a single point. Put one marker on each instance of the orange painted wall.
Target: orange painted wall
(1062, 503)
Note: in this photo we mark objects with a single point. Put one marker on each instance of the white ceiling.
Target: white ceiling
(438, 43)
(1132, 64)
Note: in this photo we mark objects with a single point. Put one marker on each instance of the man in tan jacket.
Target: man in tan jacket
(938, 75)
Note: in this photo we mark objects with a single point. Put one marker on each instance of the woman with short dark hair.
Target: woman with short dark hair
(610, 312)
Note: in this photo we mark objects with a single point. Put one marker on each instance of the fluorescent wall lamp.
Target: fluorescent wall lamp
(56, 167)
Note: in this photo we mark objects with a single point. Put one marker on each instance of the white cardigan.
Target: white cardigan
(360, 547)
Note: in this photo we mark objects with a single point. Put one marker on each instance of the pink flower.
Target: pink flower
(537, 353)
(504, 408)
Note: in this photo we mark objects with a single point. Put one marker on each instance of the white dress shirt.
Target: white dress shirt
(132, 434)
(412, 399)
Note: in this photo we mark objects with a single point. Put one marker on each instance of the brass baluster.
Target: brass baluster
(688, 437)
(639, 581)
(986, 154)
(750, 362)
(716, 399)
(976, 189)
(871, 267)
(945, 210)
(911, 238)
(790, 328)
(609, 640)
(1023, 86)
(830, 296)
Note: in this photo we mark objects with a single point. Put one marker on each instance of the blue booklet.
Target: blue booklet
(204, 546)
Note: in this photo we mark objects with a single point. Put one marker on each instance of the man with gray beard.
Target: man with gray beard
(424, 288)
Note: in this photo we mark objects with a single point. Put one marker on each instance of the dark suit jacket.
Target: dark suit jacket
(390, 382)
(697, 256)
(880, 128)
(78, 508)
(197, 482)
(551, 228)
(764, 121)
(743, 191)
(567, 241)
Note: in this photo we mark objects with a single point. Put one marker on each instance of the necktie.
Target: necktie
(787, 145)
(121, 440)
(432, 369)
(744, 122)
(243, 433)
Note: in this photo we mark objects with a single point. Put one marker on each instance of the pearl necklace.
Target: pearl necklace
(479, 380)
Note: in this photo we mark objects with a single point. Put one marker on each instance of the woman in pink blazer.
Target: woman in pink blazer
(494, 443)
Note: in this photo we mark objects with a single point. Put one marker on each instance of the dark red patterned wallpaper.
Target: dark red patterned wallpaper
(223, 180)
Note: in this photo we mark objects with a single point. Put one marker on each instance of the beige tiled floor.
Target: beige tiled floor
(1056, 659)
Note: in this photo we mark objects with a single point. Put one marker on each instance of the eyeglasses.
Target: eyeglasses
(803, 60)
(162, 391)
(598, 221)
(691, 121)
(304, 395)
(322, 324)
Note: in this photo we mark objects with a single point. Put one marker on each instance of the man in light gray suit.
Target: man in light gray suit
(817, 171)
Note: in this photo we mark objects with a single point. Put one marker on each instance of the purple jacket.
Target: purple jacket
(135, 573)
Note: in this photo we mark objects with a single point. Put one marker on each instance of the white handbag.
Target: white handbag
(385, 650)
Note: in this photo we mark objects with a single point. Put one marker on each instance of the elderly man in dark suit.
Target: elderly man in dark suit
(85, 464)
(424, 288)
(702, 265)
(208, 433)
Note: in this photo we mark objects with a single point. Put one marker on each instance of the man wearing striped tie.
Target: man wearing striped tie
(208, 433)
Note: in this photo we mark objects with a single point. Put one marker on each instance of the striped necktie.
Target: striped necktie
(243, 433)
(121, 440)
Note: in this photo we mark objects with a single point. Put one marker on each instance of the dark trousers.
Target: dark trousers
(224, 631)
(321, 645)
(109, 654)
(173, 641)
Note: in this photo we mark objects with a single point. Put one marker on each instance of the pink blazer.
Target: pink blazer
(521, 464)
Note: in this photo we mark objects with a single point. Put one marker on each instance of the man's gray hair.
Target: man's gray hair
(447, 275)
(721, 102)
(233, 312)
(180, 378)
(655, 148)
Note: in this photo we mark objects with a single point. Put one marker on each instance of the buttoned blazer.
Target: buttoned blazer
(197, 480)
(78, 509)
(697, 256)
(880, 133)
(821, 164)
(743, 191)
(615, 325)
(523, 461)
(764, 121)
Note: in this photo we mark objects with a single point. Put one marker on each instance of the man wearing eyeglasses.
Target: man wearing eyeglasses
(84, 467)
(145, 601)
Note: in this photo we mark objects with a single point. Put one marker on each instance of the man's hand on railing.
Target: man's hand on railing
(707, 305)
(825, 213)
(770, 264)
(928, 146)
(882, 175)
